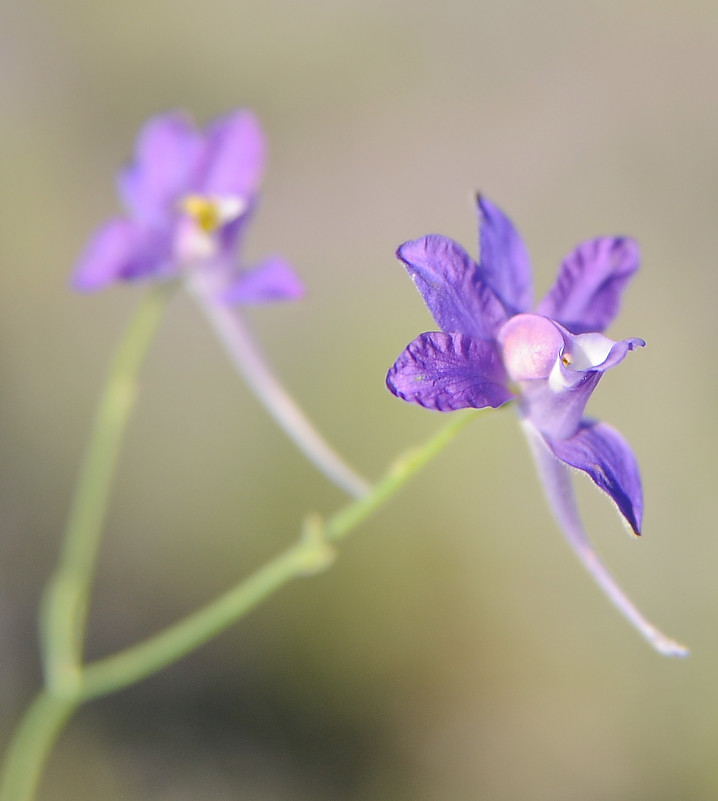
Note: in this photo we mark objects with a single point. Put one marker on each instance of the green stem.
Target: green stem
(64, 611)
(311, 554)
(147, 657)
(401, 471)
(31, 745)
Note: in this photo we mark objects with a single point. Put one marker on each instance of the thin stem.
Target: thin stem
(63, 614)
(311, 554)
(556, 479)
(401, 471)
(31, 745)
(241, 349)
(155, 653)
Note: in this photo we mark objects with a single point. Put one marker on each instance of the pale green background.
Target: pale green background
(456, 651)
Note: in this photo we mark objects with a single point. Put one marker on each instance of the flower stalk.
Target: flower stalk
(32, 743)
(64, 609)
(63, 613)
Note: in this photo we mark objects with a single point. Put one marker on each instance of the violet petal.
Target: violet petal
(122, 250)
(236, 155)
(273, 279)
(601, 452)
(505, 264)
(587, 292)
(449, 281)
(446, 372)
(167, 156)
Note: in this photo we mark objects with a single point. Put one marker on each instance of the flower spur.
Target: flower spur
(492, 349)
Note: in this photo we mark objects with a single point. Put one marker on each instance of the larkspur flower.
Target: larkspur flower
(189, 196)
(492, 348)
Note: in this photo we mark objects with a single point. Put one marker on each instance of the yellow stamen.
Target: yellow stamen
(204, 211)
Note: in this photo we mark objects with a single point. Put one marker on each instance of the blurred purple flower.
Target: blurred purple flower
(492, 348)
(188, 196)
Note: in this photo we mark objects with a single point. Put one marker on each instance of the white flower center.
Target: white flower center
(211, 213)
(203, 217)
(588, 351)
(583, 352)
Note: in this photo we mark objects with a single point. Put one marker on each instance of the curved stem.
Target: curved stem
(31, 745)
(63, 613)
(241, 349)
(556, 479)
(147, 657)
(312, 553)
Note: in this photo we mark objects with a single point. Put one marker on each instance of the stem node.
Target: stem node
(314, 553)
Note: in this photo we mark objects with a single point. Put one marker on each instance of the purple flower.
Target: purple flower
(492, 348)
(188, 196)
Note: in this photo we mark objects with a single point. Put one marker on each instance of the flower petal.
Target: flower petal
(556, 479)
(271, 280)
(556, 371)
(505, 264)
(588, 289)
(122, 251)
(236, 155)
(167, 156)
(602, 453)
(446, 372)
(450, 283)
(531, 346)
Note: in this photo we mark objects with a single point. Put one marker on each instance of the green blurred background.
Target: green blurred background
(456, 651)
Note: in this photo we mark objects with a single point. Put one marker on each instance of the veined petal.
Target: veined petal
(587, 292)
(235, 157)
(602, 453)
(556, 479)
(167, 157)
(446, 372)
(505, 264)
(271, 280)
(450, 283)
(121, 250)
